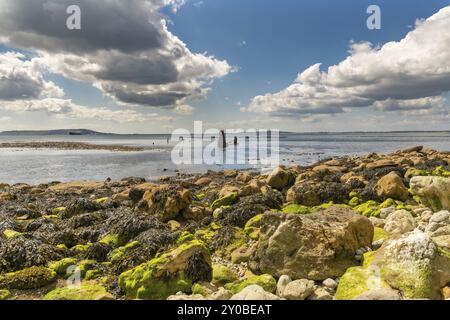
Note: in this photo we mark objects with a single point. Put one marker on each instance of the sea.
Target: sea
(34, 166)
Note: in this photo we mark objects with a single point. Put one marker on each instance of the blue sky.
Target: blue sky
(266, 45)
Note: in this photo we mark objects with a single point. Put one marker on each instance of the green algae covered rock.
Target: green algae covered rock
(410, 264)
(372, 208)
(265, 281)
(61, 266)
(379, 233)
(86, 291)
(30, 278)
(111, 240)
(4, 294)
(252, 227)
(227, 200)
(433, 192)
(169, 273)
(314, 246)
(222, 275)
(117, 253)
(297, 209)
(358, 280)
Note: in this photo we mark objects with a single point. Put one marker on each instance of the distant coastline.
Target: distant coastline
(89, 132)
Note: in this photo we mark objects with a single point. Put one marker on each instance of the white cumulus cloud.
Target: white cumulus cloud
(409, 74)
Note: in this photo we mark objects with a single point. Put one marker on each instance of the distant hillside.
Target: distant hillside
(78, 132)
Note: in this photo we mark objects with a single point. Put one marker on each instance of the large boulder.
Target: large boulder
(167, 201)
(280, 178)
(171, 272)
(315, 246)
(434, 192)
(410, 264)
(391, 186)
(312, 193)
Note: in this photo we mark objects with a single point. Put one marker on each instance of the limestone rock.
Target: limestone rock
(254, 292)
(400, 222)
(432, 191)
(169, 273)
(379, 294)
(280, 178)
(316, 246)
(166, 201)
(298, 289)
(282, 283)
(391, 186)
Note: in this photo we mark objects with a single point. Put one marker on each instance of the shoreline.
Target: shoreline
(65, 145)
(300, 232)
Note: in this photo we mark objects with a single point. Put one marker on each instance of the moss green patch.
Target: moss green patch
(85, 265)
(4, 294)
(239, 239)
(102, 200)
(372, 208)
(93, 274)
(266, 281)
(201, 196)
(58, 211)
(297, 209)
(379, 234)
(111, 240)
(223, 275)
(228, 200)
(61, 266)
(86, 291)
(119, 252)
(206, 235)
(353, 202)
(81, 247)
(353, 194)
(164, 275)
(415, 281)
(252, 227)
(184, 237)
(443, 252)
(62, 246)
(441, 172)
(30, 278)
(8, 234)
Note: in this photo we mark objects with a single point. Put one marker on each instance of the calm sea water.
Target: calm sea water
(36, 166)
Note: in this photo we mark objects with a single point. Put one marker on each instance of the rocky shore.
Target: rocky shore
(372, 227)
(63, 145)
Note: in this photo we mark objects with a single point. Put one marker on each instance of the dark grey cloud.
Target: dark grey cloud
(124, 48)
(107, 24)
(22, 80)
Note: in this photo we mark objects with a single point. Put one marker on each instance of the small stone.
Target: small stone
(446, 293)
(221, 294)
(330, 283)
(379, 294)
(254, 292)
(400, 222)
(320, 294)
(298, 289)
(282, 283)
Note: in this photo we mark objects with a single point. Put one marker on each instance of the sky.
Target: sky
(152, 66)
